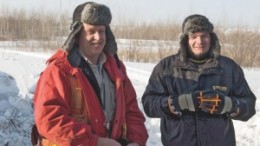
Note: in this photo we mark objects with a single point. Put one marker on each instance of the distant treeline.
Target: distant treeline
(27, 25)
(241, 44)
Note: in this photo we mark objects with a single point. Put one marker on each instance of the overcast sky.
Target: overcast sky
(229, 12)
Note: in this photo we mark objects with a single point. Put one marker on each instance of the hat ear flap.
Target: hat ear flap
(72, 38)
(111, 46)
(216, 47)
(183, 46)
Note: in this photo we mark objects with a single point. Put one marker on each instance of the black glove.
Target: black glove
(215, 102)
(183, 102)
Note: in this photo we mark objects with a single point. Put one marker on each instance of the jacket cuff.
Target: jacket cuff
(168, 108)
(235, 107)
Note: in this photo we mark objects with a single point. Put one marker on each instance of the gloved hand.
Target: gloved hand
(216, 102)
(183, 102)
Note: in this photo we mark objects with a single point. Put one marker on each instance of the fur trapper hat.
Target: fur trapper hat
(198, 23)
(94, 14)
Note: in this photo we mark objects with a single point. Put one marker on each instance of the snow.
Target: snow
(19, 72)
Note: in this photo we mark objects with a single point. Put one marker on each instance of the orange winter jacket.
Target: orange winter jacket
(59, 121)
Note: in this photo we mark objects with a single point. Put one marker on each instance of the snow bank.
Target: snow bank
(16, 118)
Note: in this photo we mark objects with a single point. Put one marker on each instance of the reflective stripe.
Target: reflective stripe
(79, 111)
(46, 142)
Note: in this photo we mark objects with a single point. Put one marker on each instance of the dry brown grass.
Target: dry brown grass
(48, 29)
(243, 46)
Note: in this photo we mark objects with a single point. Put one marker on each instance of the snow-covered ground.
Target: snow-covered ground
(19, 71)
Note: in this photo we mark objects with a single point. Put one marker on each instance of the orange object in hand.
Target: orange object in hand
(209, 102)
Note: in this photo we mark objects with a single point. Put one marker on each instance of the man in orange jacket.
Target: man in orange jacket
(84, 97)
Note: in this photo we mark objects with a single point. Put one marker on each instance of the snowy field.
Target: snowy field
(19, 71)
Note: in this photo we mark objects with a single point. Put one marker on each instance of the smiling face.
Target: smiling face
(199, 43)
(92, 40)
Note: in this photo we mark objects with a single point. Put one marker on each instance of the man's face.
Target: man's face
(92, 40)
(199, 43)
